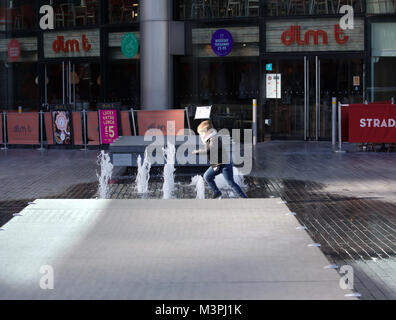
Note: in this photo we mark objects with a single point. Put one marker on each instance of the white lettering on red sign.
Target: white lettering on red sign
(377, 123)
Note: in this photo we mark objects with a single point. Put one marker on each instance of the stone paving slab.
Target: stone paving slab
(162, 249)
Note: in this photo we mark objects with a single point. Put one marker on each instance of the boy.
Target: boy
(220, 164)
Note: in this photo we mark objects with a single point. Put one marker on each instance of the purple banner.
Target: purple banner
(222, 42)
(108, 126)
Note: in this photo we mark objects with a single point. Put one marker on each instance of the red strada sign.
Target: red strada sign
(71, 45)
(293, 35)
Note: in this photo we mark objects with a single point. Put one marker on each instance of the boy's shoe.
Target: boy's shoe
(217, 195)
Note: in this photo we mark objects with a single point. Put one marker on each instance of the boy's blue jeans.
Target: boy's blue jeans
(227, 172)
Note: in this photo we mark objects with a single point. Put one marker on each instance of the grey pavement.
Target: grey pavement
(29, 173)
(358, 174)
(162, 249)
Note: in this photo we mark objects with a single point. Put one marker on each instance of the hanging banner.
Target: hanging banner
(158, 119)
(108, 126)
(62, 124)
(23, 128)
(372, 123)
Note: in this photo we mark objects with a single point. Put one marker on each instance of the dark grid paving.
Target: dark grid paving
(360, 232)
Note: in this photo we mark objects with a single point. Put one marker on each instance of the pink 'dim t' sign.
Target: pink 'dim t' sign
(108, 126)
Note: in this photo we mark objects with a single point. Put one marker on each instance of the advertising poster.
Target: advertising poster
(273, 83)
(108, 126)
(62, 124)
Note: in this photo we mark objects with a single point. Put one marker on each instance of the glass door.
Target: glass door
(77, 84)
(308, 84)
(286, 109)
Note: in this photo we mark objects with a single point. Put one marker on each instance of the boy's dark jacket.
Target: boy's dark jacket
(214, 148)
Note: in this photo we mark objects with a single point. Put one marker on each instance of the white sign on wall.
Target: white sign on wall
(273, 83)
(203, 112)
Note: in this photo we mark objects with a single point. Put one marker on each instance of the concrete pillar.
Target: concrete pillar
(155, 58)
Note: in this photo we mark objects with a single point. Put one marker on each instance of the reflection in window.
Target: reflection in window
(229, 85)
(17, 15)
(310, 7)
(71, 13)
(18, 85)
(123, 11)
(196, 9)
(380, 6)
(384, 80)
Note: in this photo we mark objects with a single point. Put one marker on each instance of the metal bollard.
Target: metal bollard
(334, 122)
(254, 122)
(339, 130)
(4, 131)
(393, 100)
(133, 121)
(41, 114)
(84, 130)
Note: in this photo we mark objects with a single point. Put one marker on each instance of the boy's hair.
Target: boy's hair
(205, 126)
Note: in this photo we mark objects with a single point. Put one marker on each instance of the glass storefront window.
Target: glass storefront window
(310, 7)
(124, 71)
(123, 11)
(380, 6)
(18, 74)
(18, 85)
(228, 83)
(383, 48)
(71, 13)
(17, 15)
(209, 9)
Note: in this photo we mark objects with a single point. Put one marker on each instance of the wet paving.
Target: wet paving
(360, 232)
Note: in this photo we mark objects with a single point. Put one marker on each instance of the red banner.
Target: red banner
(158, 119)
(48, 127)
(93, 128)
(372, 123)
(23, 128)
(125, 126)
(77, 128)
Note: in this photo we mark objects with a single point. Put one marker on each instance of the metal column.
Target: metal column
(334, 123)
(155, 58)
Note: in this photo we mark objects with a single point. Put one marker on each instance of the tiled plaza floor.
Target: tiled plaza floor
(346, 201)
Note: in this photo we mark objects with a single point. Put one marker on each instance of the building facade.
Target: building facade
(290, 55)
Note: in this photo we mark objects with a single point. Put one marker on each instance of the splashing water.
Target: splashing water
(106, 170)
(143, 174)
(199, 183)
(224, 186)
(169, 171)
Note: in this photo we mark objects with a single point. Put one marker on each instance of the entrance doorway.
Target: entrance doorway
(308, 84)
(77, 84)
